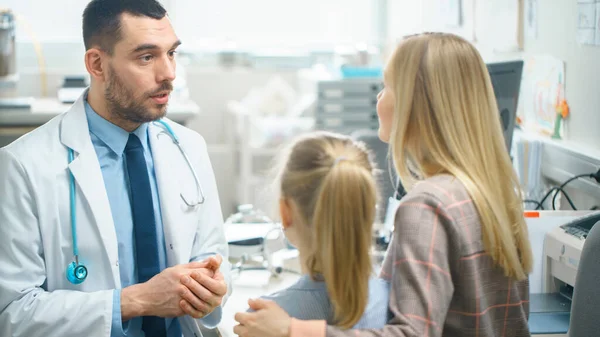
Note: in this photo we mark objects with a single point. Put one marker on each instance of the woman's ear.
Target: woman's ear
(285, 210)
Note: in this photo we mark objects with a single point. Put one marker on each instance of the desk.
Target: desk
(16, 122)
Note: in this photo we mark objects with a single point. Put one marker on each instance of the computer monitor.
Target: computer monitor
(506, 80)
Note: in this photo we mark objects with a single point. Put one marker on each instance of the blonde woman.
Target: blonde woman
(331, 231)
(460, 255)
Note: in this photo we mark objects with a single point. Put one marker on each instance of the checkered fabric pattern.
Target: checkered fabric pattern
(443, 282)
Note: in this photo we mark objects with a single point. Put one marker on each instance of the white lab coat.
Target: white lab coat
(36, 243)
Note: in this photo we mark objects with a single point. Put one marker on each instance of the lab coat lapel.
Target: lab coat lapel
(88, 178)
(166, 169)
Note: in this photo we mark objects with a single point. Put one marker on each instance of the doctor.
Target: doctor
(107, 226)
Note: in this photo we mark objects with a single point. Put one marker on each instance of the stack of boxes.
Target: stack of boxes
(347, 105)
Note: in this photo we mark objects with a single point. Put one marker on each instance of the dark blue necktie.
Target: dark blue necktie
(144, 225)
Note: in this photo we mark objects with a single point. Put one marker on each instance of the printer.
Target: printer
(562, 251)
(550, 310)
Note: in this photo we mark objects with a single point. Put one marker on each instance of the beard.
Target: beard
(125, 105)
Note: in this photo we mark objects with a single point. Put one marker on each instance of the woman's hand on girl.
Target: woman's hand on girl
(267, 320)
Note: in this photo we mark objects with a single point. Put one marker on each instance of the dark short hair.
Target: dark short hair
(102, 20)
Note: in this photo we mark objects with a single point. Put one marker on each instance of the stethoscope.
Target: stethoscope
(77, 272)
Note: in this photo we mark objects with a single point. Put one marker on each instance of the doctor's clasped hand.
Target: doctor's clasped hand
(205, 290)
(194, 289)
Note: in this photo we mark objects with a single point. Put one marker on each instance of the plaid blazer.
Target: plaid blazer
(443, 283)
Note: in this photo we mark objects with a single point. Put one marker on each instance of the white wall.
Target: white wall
(273, 24)
(214, 25)
(557, 36)
(55, 20)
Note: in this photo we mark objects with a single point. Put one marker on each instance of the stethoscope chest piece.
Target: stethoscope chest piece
(76, 273)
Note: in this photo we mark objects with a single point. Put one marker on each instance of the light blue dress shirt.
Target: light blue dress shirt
(308, 300)
(109, 142)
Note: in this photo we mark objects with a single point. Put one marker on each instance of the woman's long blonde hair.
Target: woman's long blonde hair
(446, 120)
(329, 178)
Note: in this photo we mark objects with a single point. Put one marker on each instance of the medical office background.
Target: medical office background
(249, 69)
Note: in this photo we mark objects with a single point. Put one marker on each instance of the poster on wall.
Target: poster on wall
(531, 18)
(588, 22)
(542, 90)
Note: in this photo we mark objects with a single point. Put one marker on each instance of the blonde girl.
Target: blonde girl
(327, 207)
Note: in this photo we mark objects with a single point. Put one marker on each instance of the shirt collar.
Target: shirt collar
(306, 282)
(112, 135)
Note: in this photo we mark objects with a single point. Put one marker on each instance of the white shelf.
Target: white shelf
(563, 159)
(44, 109)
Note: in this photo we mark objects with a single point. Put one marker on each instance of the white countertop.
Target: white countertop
(44, 109)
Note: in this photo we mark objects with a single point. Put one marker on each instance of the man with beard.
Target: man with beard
(110, 222)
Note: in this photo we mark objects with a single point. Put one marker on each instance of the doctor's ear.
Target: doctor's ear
(93, 63)
(285, 211)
